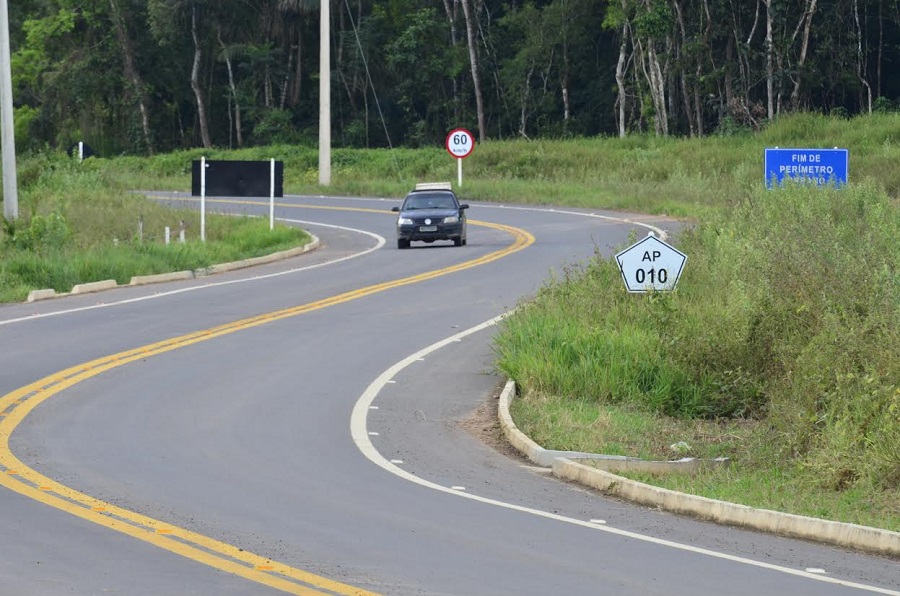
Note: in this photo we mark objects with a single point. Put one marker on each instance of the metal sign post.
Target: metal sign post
(272, 194)
(460, 143)
(203, 199)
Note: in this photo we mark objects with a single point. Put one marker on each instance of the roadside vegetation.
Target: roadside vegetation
(779, 349)
(79, 223)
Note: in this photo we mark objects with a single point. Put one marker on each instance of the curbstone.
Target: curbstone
(864, 538)
(94, 286)
(262, 260)
(141, 280)
(34, 295)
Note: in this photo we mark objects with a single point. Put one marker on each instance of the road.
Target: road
(322, 425)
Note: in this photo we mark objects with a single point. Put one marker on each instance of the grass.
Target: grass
(80, 223)
(780, 349)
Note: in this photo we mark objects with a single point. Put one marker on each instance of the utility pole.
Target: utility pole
(324, 92)
(7, 132)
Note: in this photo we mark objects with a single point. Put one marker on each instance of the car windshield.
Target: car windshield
(429, 201)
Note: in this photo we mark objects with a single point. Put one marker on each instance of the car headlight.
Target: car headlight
(452, 219)
(404, 221)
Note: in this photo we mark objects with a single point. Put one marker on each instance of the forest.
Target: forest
(140, 77)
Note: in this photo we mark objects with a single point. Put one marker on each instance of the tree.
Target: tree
(473, 61)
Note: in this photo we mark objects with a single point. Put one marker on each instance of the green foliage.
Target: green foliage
(44, 233)
(654, 20)
(274, 127)
(788, 311)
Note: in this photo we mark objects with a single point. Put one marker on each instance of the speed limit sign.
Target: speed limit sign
(460, 143)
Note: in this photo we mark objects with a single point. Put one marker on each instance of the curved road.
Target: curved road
(315, 426)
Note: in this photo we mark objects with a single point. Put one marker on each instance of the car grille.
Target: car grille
(420, 221)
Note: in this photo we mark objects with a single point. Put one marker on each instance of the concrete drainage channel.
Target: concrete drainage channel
(585, 469)
(140, 280)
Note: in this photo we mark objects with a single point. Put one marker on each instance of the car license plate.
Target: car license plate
(428, 228)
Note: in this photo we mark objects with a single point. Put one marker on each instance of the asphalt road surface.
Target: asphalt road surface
(323, 425)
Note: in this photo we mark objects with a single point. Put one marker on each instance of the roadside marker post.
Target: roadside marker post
(460, 144)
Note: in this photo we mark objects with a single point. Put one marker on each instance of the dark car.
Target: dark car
(431, 212)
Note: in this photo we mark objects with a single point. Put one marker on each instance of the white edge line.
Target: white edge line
(380, 241)
(360, 436)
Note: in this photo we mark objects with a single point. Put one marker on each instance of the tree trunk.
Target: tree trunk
(729, 73)
(620, 80)
(298, 70)
(657, 91)
(451, 18)
(237, 104)
(131, 74)
(685, 96)
(195, 82)
(473, 60)
(804, 46)
(526, 90)
(770, 63)
(860, 68)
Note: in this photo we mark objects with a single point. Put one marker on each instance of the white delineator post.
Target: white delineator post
(272, 194)
(203, 199)
(459, 171)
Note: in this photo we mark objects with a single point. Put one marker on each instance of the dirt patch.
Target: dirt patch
(483, 423)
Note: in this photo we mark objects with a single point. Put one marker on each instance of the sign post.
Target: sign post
(460, 143)
(650, 265)
(203, 198)
(812, 166)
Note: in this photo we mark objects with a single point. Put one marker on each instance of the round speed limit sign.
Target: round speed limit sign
(460, 143)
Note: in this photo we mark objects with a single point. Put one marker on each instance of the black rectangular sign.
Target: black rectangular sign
(237, 178)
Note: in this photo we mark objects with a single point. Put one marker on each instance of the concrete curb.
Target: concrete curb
(864, 538)
(140, 280)
(41, 295)
(94, 286)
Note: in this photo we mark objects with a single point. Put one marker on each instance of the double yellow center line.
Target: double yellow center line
(17, 476)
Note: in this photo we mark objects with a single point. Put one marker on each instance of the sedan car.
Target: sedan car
(431, 212)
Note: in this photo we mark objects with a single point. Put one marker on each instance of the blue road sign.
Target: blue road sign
(813, 166)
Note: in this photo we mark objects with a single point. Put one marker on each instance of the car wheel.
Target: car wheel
(401, 243)
(458, 241)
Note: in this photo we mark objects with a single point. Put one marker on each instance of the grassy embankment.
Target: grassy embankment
(79, 223)
(779, 349)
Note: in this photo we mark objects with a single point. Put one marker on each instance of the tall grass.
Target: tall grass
(787, 313)
(679, 177)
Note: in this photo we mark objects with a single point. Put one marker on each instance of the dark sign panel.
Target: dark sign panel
(238, 178)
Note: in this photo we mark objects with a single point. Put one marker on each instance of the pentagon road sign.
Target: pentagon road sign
(650, 265)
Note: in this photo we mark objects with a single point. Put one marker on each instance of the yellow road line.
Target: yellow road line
(16, 405)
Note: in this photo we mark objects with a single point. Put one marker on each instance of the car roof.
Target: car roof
(434, 186)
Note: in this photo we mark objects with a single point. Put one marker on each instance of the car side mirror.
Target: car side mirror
(463, 206)
(395, 209)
